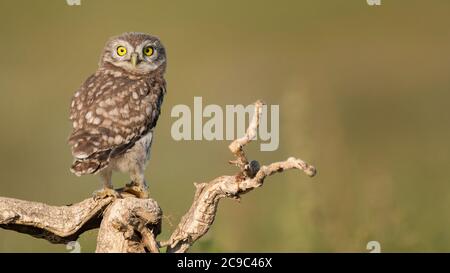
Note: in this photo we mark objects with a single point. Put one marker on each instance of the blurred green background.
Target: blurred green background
(364, 95)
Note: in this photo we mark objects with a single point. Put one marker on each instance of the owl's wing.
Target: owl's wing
(109, 115)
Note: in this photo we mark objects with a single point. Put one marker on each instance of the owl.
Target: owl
(115, 111)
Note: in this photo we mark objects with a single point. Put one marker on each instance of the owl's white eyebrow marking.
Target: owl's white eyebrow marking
(150, 42)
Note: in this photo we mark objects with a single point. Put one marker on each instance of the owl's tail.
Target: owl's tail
(90, 165)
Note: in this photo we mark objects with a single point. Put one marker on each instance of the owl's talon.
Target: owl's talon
(104, 193)
(131, 184)
(135, 189)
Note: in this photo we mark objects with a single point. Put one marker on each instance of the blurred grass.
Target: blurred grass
(363, 94)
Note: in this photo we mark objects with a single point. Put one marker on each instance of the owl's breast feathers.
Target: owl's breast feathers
(110, 112)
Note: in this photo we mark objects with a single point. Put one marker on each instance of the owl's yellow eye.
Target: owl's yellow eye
(148, 51)
(121, 51)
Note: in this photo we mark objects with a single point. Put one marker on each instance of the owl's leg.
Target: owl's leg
(139, 156)
(108, 188)
(138, 185)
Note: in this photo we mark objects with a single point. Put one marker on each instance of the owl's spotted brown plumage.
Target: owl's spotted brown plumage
(115, 110)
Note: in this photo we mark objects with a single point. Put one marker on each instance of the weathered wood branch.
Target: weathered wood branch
(197, 221)
(130, 224)
(56, 224)
(126, 225)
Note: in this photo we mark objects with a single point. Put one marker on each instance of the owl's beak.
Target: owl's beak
(134, 59)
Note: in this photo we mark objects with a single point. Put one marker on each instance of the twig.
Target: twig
(236, 147)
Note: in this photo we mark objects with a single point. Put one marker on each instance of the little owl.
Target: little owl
(116, 109)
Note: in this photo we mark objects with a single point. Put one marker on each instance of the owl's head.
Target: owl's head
(136, 53)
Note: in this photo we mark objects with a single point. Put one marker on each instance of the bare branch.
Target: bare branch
(129, 225)
(197, 221)
(56, 224)
(290, 163)
(236, 147)
(126, 225)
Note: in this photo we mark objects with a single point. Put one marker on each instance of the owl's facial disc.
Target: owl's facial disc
(142, 59)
